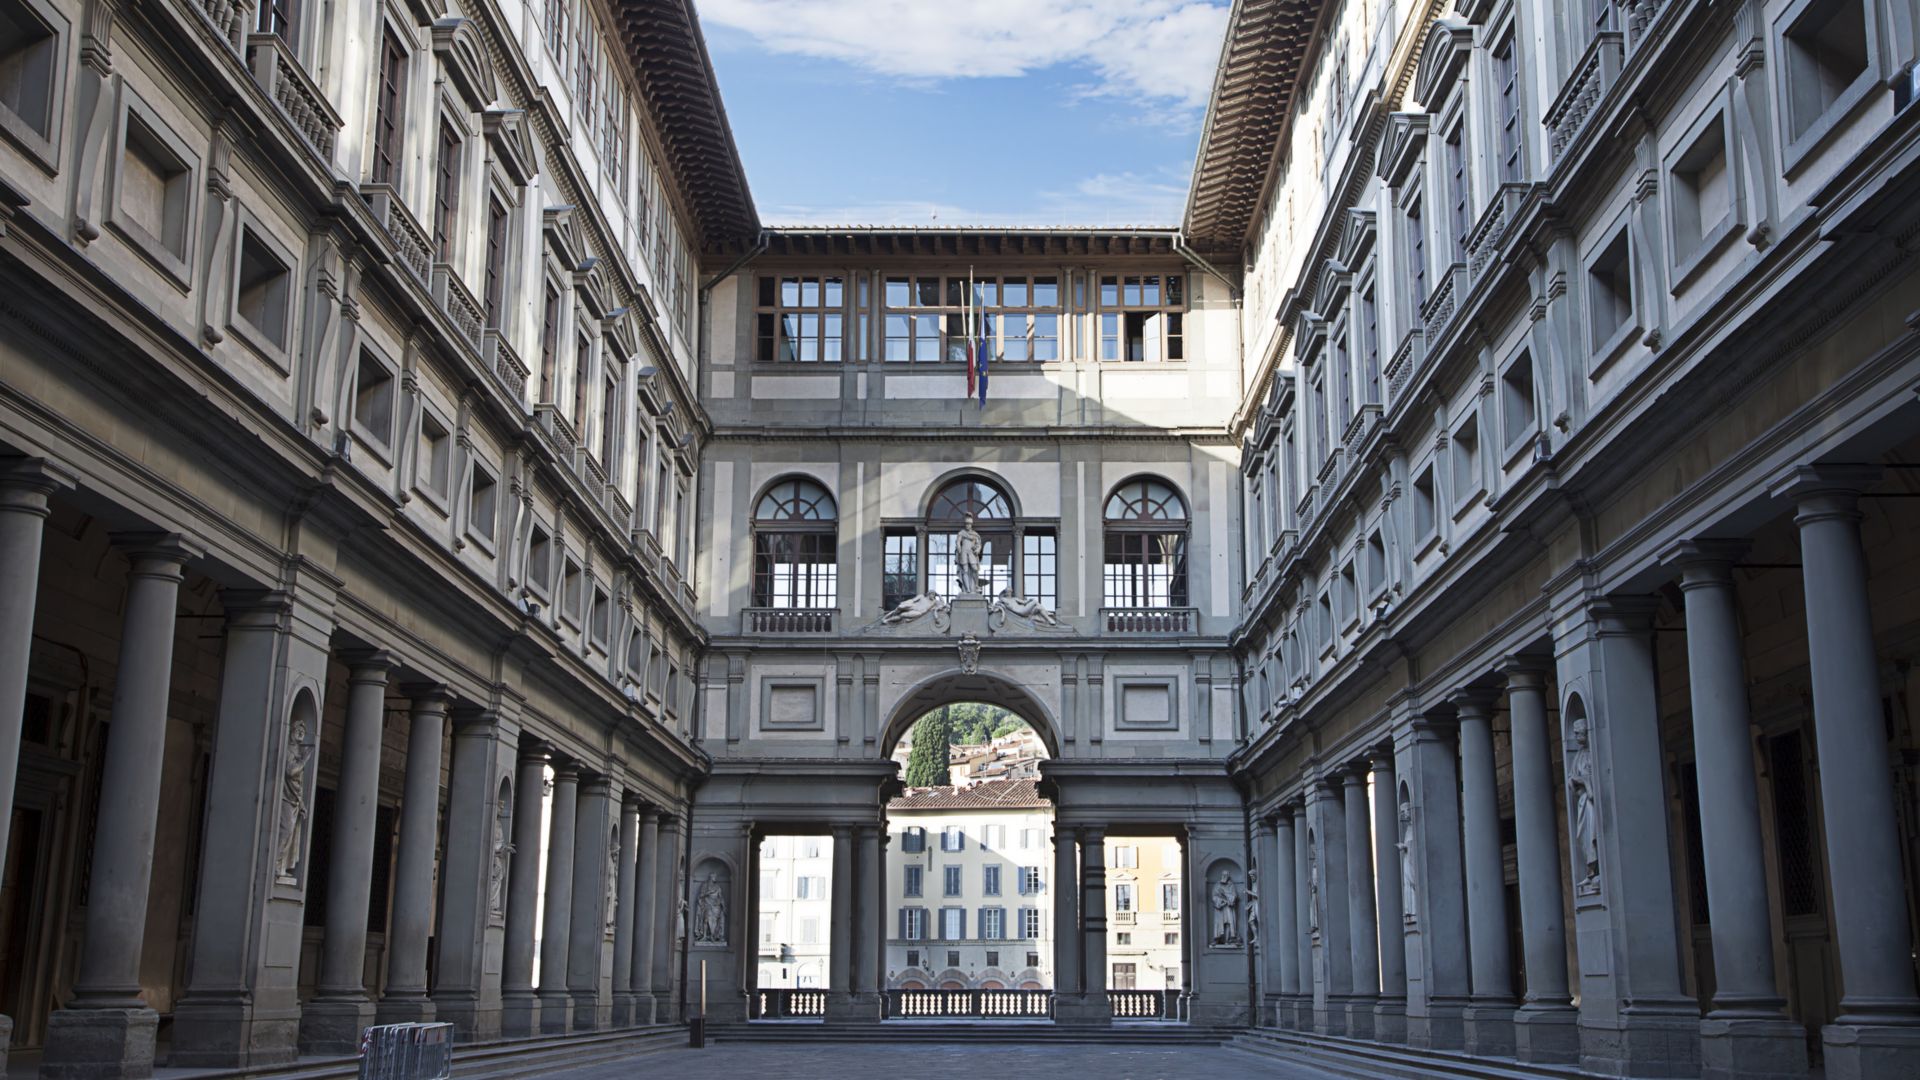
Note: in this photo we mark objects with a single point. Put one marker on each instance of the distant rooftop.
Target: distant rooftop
(987, 795)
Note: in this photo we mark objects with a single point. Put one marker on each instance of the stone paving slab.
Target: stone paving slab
(797, 1061)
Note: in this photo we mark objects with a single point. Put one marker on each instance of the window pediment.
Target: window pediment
(1400, 151)
(1356, 240)
(510, 144)
(1443, 56)
(463, 57)
(563, 236)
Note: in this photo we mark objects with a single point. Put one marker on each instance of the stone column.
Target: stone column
(410, 924)
(331, 1021)
(589, 946)
(1635, 1016)
(106, 1030)
(471, 933)
(670, 928)
(556, 1004)
(1330, 913)
(1747, 1033)
(519, 1008)
(242, 1006)
(869, 955)
(624, 922)
(26, 484)
(1066, 915)
(1093, 1006)
(1489, 1018)
(646, 914)
(1363, 941)
(840, 922)
(1300, 1015)
(1544, 1026)
(1390, 1016)
(1437, 985)
(1875, 1033)
(1281, 961)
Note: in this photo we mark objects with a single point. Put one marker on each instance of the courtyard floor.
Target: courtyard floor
(792, 1061)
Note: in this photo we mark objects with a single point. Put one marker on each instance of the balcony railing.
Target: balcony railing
(459, 304)
(1170, 1005)
(1487, 233)
(505, 363)
(968, 1004)
(409, 239)
(1438, 311)
(787, 1004)
(788, 621)
(618, 506)
(228, 19)
(1598, 69)
(557, 426)
(1405, 359)
(286, 82)
(1148, 620)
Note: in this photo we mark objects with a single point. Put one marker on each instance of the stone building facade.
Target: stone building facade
(415, 455)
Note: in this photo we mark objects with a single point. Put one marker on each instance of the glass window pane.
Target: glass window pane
(1176, 290)
(926, 291)
(831, 346)
(1131, 294)
(767, 285)
(899, 295)
(1150, 290)
(1013, 292)
(1109, 292)
(956, 291)
(1046, 292)
(810, 292)
(789, 292)
(987, 293)
(832, 294)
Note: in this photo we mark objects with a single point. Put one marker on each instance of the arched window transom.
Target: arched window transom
(969, 497)
(796, 547)
(1145, 563)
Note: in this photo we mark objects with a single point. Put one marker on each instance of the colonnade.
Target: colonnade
(463, 890)
(1419, 952)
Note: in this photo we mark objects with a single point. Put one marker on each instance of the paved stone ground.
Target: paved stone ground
(938, 1062)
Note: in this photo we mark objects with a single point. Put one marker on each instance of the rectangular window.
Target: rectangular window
(1040, 568)
(993, 838)
(582, 364)
(388, 101)
(281, 18)
(1126, 856)
(953, 839)
(597, 622)
(800, 319)
(435, 464)
(1123, 937)
(609, 416)
(1516, 400)
(914, 881)
(1142, 317)
(496, 262)
(1030, 929)
(1123, 977)
(1423, 515)
(1144, 569)
(1702, 191)
(373, 392)
(1031, 882)
(29, 58)
(1610, 291)
(1506, 83)
(1123, 896)
(549, 344)
(1459, 190)
(1029, 839)
(446, 193)
(950, 881)
(913, 840)
(913, 923)
(483, 496)
(900, 569)
(1465, 449)
(1170, 939)
(953, 925)
(793, 569)
(263, 297)
(1416, 249)
(1827, 53)
(990, 880)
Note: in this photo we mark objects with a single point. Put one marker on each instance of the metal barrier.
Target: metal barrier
(406, 1052)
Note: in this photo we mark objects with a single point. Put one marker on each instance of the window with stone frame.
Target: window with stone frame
(496, 270)
(1145, 563)
(31, 35)
(900, 568)
(800, 318)
(446, 192)
(550, 312)
(1459, 191)
(280, 18)
(1415, 246)
(1040, 567)
(1142, 316)
(1508, 125)
(389, 103)
(795, 547)
(925, 316)
(1124, 975)
(993, 519)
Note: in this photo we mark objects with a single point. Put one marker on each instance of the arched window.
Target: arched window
(1146, 546)
(992, 514)
(795, 547)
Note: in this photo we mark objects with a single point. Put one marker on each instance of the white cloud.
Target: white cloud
(1106, 200)
(1162, 49)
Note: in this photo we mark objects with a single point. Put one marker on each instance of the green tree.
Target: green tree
(927, 761)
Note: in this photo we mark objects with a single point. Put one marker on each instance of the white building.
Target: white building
(1144, 909)
(795, 911)
(968, 888)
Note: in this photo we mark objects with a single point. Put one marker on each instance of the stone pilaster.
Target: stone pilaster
(840, 936)
(869, 956)
(1436, 918)
(1066, 914)
(1280, 960)
(471, 933)
(107, 1031)
(670, 929)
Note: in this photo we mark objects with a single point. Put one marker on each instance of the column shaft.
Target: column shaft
(25, 486)
(411, 921)
(556, 1005)
(107, 1030)
(1303, 919)
(1331, 914)
(1536, 841)
(870, 955)
(519, 1008)
(1093, 915)
(1387, 885)
(1363, 942)
(628, 913)
(589, 959)
(1856, 769)
(841, 928)
(1066, 914)
(647, 889)
(1283, 955)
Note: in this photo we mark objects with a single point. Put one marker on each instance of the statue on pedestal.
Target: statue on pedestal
(1586, 813)
(1226, 910)
(967, 549)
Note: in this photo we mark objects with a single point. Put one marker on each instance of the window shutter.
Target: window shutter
(903, 925)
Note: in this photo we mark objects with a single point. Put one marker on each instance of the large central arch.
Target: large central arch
(953, 686)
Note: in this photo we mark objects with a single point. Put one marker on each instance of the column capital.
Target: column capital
(534, 752)
(1840, 484)
(1622, 615)
(565, 769)
(840, 832)
(156, 550)
(1526, 671)
(26, 483)
(1381, 760)
(1354, 773)
(428, 696)
(367, 665)
(255, 606)
(595, 783)
(1709, 558)
(1474, 702)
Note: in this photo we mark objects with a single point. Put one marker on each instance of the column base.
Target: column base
(1753, 1048)
(1330, 1016)
(230, 1035)
(664, 1011)
(519, 1015)
(622, 1008)
(1489, 1030)
(472, 1020)
(1083, 1009)
(1360, 1017)
(114, 1043)
(1442, 1028)
(412, 1009)
(1300, 1014)
(591, 1014)
(330, 1027)
(1865, 1051)
(1643, 1042)
(849, 1007)
(556, 1012)
(644, 1008)
(1546, 1034)
(6, 1040)
(1390, 1022)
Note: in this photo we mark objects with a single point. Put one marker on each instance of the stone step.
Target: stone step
(510, 1058)
(1361, 1058)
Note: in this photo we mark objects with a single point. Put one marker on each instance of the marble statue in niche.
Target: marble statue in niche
(1225, 901)
(293, 796)
(1409, 883)
(967, 549)
(1313, 887)
(1253, 906)
(613, 879)
(498, 861)
(710, 913)
(1586, 812)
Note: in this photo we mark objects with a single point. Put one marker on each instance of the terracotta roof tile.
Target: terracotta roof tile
(987, 795)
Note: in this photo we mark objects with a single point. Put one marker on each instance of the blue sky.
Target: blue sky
(966, 112)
